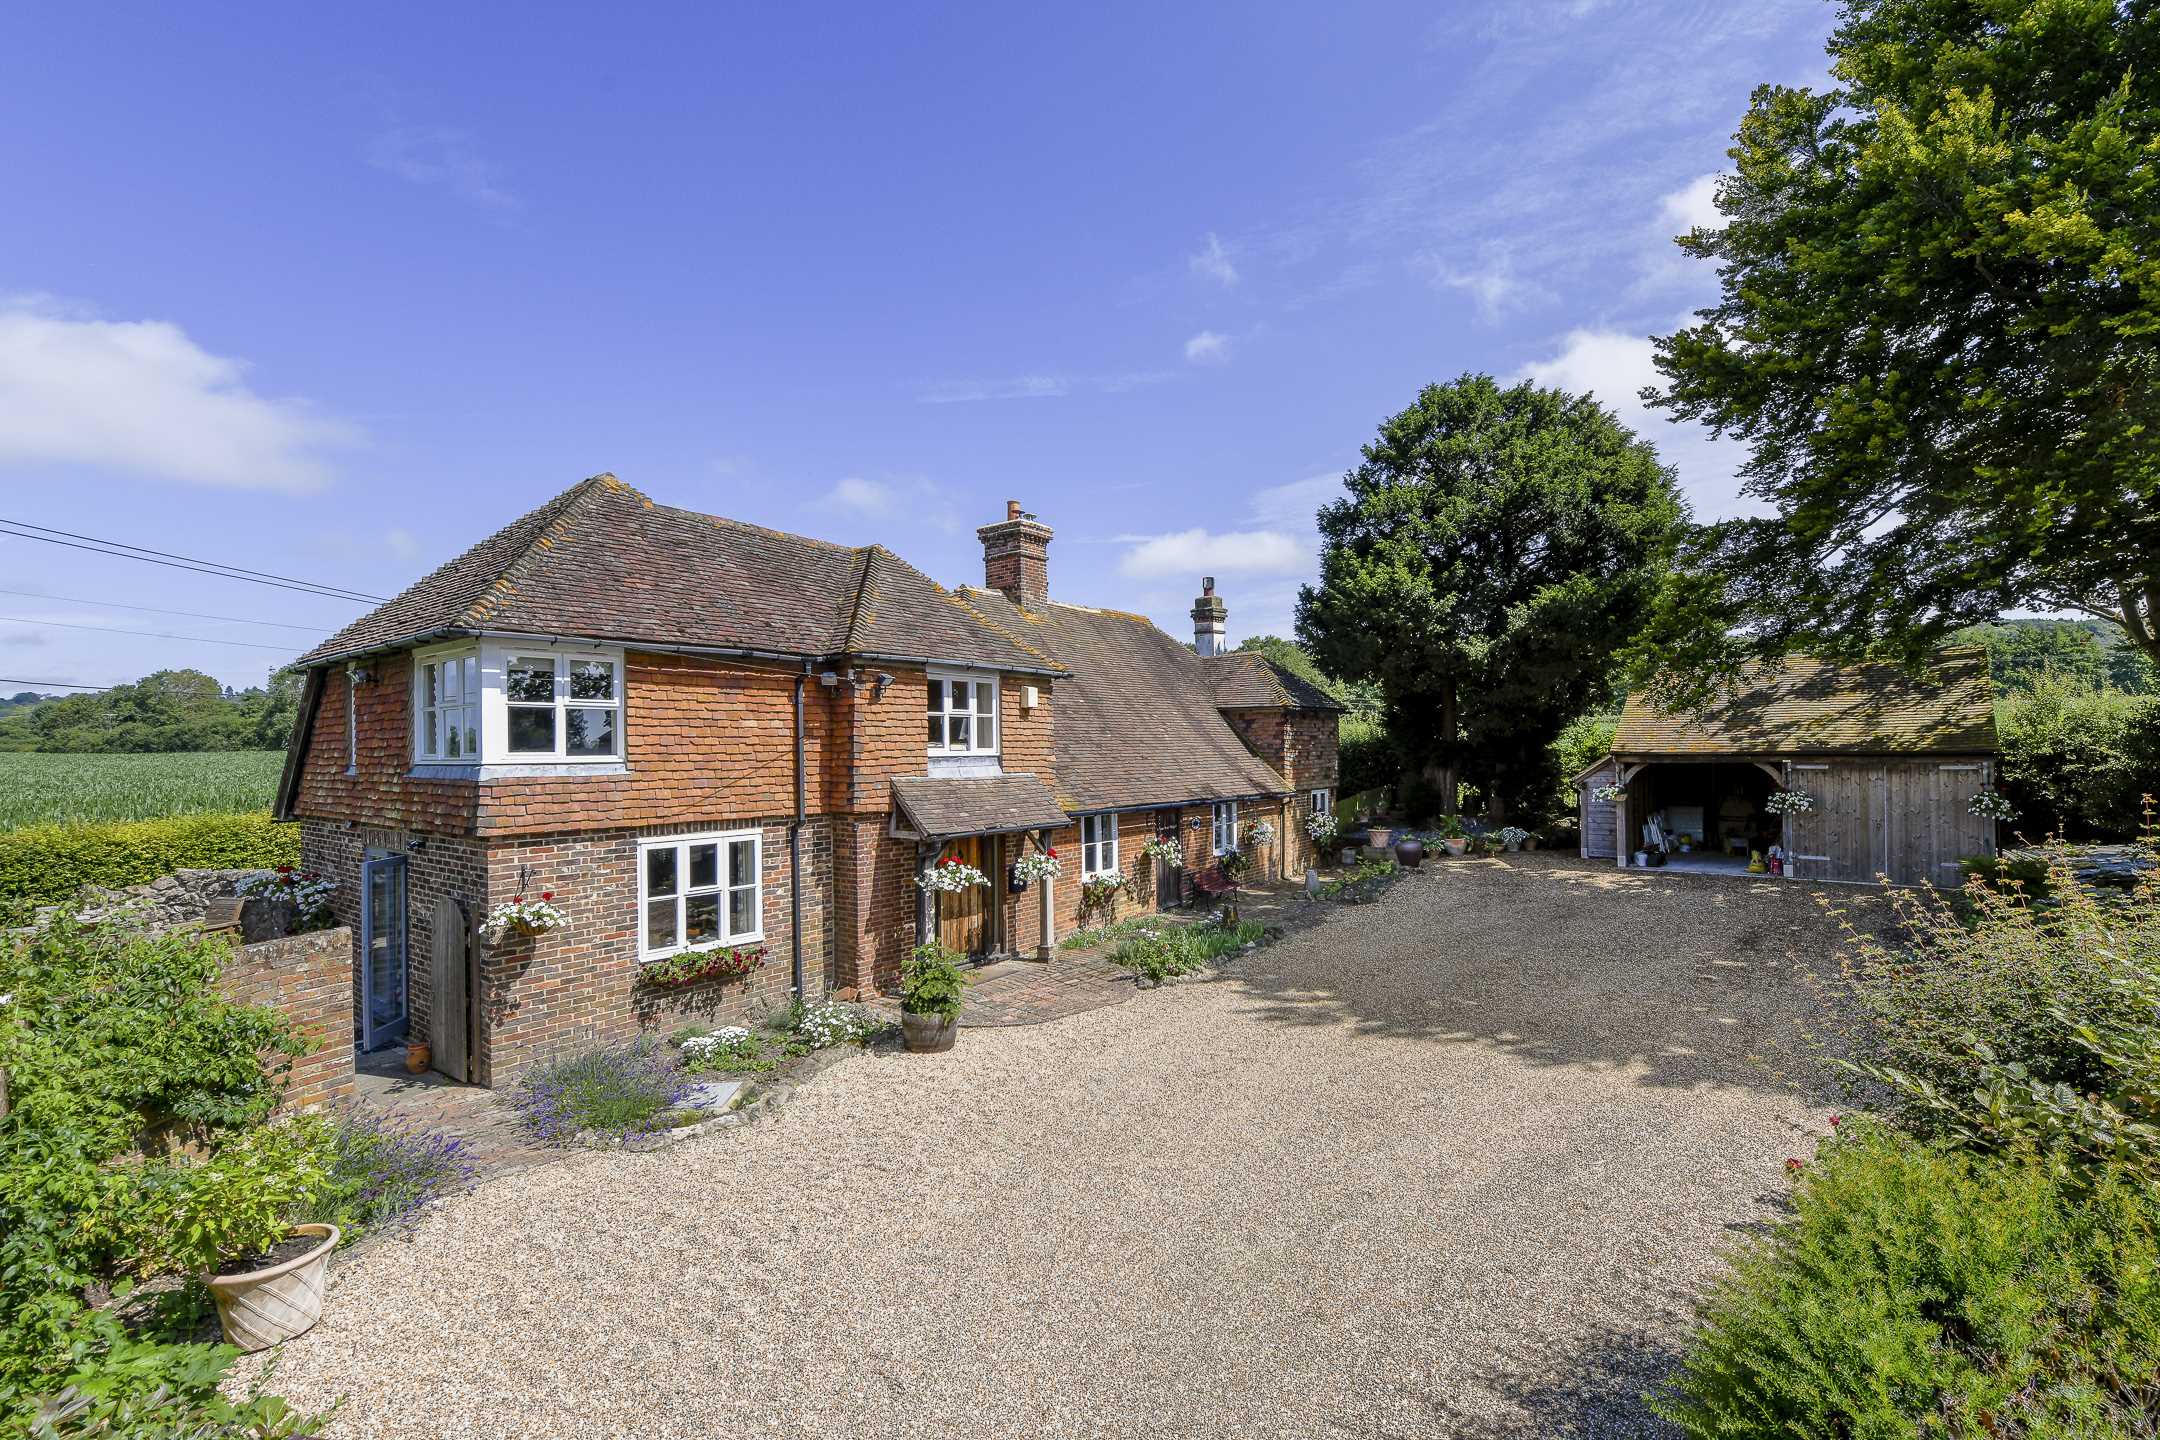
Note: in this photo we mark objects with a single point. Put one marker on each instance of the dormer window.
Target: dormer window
(963, 714)
(494, 705)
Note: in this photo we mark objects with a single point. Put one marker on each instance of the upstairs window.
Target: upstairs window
(448, 708)
(1225, 826)
(963, 715)
(562, 706)
(1098, 845)
(1321, 802)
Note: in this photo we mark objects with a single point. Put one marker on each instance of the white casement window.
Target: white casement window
(696, 891)
(963, 715)
(446, 706)
(1321, 802)
(1225, 826)
(1098, 844)
(494, 704)
(562, 705)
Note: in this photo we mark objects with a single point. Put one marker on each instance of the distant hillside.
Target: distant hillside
(22, 700)
(172, 710)
(2090, 654)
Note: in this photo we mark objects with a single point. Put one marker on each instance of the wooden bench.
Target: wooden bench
(1212, 883)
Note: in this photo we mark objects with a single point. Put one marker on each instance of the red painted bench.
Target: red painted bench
(1212, 883)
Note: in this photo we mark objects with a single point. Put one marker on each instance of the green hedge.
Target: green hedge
(40, 864)
(2079, 762)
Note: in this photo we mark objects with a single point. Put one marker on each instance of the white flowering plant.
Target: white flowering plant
(1038, 865)
(831, 1023)
(309, 892)
(1262, 833)
(728, 1047)
(1991, 805)
(1790, 802)
(520, 916)
(1164, 850)
(1511, 834)
(1610, 794)
(952, 875)
(1321, 825)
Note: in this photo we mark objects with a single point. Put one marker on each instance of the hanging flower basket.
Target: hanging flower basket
(1041, 865)
(1262, 833)
(1321, 825)
(952, 875)
(692, 966)
(1164, 851)
(520, 918)
(1610, 794)
(1790, 802)
(1991, 805)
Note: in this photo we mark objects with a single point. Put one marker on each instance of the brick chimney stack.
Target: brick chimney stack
(1208, 616)
(1016, 555)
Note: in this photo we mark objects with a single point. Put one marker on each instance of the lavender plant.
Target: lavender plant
(615, 1092)
(383, 1170)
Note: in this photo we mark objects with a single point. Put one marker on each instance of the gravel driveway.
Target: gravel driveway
(1450, 1164)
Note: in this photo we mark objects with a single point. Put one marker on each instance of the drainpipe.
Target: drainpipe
(794, 840)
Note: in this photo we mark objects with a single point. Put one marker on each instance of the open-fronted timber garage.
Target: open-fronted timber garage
(1891, 761)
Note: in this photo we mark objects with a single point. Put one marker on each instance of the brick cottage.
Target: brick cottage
(693, 732)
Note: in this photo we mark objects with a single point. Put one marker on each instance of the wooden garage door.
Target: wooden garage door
(1904, 819)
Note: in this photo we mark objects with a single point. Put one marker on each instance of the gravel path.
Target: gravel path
(1450, 1164)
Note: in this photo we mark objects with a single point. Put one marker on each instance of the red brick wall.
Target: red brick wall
(308, 979)
(376, 791)
(1302, 746)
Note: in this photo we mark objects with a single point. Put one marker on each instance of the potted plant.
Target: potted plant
(279, 1293)
(1512, 836)
(1235, 864)
(1409, 850)
(932, 988)
(1452, 835)
(519, 918)
(1040, 865)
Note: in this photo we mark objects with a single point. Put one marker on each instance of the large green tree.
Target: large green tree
(1495, 549)
(1937, 332)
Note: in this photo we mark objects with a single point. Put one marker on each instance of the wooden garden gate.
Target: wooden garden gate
(450, 1007)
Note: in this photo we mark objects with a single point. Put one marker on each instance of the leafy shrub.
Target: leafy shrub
(1364, 883)
(2028, 1028)
(380, 1171)
(42, 864)
(185, 1215)
(2079, 762)
(1366, 758)
(614, 1092)
(1920, 1290)
(932, 983)
(1164, 951)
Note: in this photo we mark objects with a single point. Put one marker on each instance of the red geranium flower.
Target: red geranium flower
(1833, 1122)
(547, 894)
(1793, 1164)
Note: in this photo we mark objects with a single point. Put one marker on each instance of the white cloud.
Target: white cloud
(439, 155)
(1207, 348)
(1197, 552)
(1614, 367)
(1037, 387)
(401, 543)
(1492, 285)
(859, 496)
(1296, 503)
(141, 396)
(1693, 206)
(1213, 262)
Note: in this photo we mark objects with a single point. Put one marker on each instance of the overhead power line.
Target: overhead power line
(55, 684)
(150, 634)
(153, 610)
(119, 549)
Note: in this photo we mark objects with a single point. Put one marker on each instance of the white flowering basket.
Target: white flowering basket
(951, 877)
(520, 916)
(1790, 802)
(1262, 833)
(1610, 794)
(1991, 805)
(1041, 865)
(1321, 825)
(1164, 852)
(1511, 835)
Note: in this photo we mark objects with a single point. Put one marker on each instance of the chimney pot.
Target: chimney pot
(1012, 509)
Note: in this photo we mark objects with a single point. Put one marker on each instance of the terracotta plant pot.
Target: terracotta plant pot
(1530, 844)
(1456, 844)
(928, 1034)
(1378, 836)
(417, 1056)
(261, 1308)
(1409, 853)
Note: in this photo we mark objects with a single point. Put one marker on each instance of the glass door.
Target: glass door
(382, 948)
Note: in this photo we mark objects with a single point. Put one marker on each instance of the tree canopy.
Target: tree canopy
(1495, 548)
(170, 710)
(1937, 329)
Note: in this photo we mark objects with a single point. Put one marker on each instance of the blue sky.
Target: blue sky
(336, 291)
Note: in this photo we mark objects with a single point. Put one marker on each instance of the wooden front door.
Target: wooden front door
(1169, 880)
(967, 918)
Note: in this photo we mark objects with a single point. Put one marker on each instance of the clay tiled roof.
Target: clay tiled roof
(988, 805)
(600, 561)
(1805, 706)
(1245, 678)
(1136, 723)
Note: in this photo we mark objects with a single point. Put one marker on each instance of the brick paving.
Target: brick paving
(434, 1102)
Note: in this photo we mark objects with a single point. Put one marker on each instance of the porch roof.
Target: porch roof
(985, 805)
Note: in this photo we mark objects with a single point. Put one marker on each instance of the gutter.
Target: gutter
(732, 652)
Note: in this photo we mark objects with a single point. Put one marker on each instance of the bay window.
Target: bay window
(1098, 845)
(487, 705)
(562, 706)
(963, 715)
(697, 891)
(447, 704)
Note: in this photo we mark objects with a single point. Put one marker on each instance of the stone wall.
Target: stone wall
(308, 979)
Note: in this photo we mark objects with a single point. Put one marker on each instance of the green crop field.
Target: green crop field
(36, 788)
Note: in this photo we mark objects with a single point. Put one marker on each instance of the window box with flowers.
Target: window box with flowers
(1321, 825)
(521, 919)
(689, 967)
(1100, 891)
